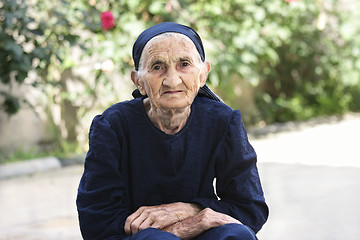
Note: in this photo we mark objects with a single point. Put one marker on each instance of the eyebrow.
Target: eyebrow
(162, 61)
(156, 61)
(181, 59)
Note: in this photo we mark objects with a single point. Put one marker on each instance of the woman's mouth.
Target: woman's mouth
(172, 92)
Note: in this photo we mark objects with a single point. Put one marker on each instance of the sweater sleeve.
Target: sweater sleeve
(101, 193)
(237, 180)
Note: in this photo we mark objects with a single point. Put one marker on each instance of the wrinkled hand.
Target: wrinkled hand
(199, 223)
(159, 216)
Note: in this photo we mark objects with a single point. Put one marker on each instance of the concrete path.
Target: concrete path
(40, 206)
(311, 179)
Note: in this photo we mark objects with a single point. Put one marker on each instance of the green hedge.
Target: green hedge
(302, 57)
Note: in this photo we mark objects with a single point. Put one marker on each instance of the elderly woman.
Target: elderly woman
(153, 160)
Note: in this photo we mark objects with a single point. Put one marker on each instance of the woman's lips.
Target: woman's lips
(172, 92)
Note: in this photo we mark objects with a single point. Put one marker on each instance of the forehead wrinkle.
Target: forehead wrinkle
(154, 57)
(168, 58)
(169, 49)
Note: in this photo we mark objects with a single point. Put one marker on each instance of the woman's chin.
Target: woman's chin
(175, 103)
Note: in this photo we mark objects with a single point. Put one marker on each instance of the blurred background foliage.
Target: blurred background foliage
(297, 59)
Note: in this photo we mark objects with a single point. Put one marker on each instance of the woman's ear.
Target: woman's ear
(205, 73)
(138, 83)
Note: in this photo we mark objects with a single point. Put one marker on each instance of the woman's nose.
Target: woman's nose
(172, 78)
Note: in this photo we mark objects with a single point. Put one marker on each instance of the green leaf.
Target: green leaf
(15, 48)
(20, 76)
(37, 31)
(11, 104)
(9, 19)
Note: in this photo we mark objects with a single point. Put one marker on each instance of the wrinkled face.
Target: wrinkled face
(171, 72)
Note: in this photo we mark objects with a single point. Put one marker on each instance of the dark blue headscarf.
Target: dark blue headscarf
(164, 27)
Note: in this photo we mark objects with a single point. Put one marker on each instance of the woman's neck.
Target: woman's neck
(169, 121)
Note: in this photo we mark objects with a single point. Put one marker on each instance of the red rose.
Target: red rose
(107, 20)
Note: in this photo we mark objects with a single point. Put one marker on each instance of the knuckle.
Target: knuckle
(148, 213)
(129, 219)
(207, 211)
(133, 225)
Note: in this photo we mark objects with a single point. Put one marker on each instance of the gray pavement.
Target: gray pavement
(40, 206)
(311, 202)
(310, 175)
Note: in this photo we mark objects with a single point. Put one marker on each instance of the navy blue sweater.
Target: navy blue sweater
(132, 163)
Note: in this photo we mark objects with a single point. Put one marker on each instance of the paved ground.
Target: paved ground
(311, 178)
(41, 206)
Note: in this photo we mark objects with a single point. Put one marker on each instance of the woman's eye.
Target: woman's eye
(157, 68)
(185, 64)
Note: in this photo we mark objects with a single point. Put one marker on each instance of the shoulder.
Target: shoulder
(119, 115)
(123, 109)
(211, 109)
(210, 114)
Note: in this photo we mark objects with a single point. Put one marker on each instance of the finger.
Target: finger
(136, 223)
(155, 218)
(148, 222)
(130, 219)
(214, 219)
(163, 218)
(161, 221)
(127, 228)
(229, 219)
